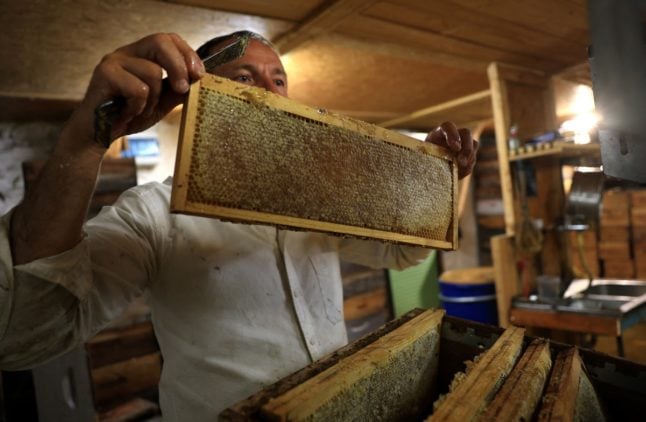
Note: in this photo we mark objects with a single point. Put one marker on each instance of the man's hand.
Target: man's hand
(459, 141)
(135, 72)
(50, 218)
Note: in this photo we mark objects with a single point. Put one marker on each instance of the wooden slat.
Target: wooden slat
(133, 410)
(449, 107)
(559, 402)
(325, 20)
(364, 304)
(393, 374)
(111, 346)
(562, 149)
(470, 397)
(570, 396)
(522, 391)
(293, 10)
(123, 380)
(181, 202)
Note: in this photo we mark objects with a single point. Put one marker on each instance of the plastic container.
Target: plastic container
(470, 293)
(549, 288)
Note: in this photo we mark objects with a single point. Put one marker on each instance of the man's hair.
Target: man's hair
(206, 49)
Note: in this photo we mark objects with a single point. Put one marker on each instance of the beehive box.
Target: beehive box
(429, 367)
(251, 156)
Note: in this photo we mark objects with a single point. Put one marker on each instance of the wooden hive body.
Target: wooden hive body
(251, 156)
(479, 373)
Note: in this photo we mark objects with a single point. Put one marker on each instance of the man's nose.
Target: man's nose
(267, 82)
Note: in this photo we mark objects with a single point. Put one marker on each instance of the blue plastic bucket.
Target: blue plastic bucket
(470, 293)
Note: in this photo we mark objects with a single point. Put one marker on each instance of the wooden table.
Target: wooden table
(598, 324)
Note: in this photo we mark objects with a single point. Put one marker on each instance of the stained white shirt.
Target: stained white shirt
(235, 307)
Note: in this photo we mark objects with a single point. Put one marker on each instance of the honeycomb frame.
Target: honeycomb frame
(247, 155)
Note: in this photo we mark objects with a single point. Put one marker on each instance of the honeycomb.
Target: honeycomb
(251, 156)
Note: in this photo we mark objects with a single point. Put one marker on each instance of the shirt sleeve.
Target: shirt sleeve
(375, 254)
(50, 305)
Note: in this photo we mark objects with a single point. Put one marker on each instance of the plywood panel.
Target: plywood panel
(48, 49)
(564, 19)
(366, 80)
(461, 51)
(455, 21)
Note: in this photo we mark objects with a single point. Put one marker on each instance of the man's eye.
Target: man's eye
(279, 82)
(245, 79)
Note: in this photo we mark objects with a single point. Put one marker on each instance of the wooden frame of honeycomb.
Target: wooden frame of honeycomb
(250, 156)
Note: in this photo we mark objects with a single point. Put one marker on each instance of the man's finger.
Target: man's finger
(446, 135)
(466, 143)
(193, 62)
(151, 74)
(161, 49)
(452, 136)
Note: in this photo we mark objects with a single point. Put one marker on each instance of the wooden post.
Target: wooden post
(524, 97)
(502, 123)
(503, 253)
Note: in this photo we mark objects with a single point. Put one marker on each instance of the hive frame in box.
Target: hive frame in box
(255, 101)
(464, 370)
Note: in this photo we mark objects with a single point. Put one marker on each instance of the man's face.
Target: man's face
(259, 66)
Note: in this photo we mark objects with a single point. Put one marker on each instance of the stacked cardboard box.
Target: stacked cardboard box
(614, 234)
(589, 238)
(638, 227)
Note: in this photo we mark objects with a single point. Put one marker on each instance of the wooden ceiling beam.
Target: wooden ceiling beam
(440, 108)
(322, 21)
(579, 73)
(27, 108)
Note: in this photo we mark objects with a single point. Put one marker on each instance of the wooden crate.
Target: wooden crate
(619, 234)
(619, 251)
(251, 156)
(124, 363)
(638, 198)
(476, 371)
(638, 217)
(615, 209)
(619, 268)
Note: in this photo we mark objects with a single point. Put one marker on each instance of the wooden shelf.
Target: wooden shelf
(562, 148)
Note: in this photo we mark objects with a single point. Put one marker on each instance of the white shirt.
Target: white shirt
(235, 307)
